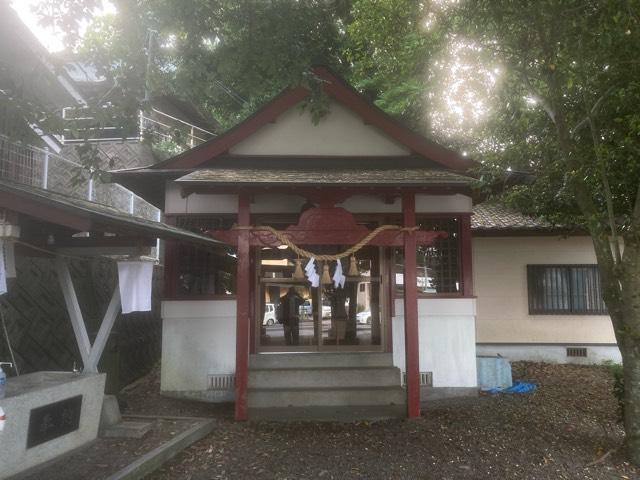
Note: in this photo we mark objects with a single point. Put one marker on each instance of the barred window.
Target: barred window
(565, 290)
(438, 265)
(201, 272)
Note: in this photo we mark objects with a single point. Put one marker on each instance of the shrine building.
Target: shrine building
(295, 200)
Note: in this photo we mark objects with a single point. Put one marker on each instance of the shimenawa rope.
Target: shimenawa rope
(325, 258)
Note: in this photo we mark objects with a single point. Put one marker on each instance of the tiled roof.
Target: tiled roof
(102, 217)
(494, 217)
(316, 176)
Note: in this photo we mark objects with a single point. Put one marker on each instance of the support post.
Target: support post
(45, 168)
(90, 354)
(243, 289)
(73, 308)
(411, 340)
(105, 330)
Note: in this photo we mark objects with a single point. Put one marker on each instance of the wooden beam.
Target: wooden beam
(106, 326)
(411, 339)
(44, 212)
(100, 241)
(73, 308)
(243, 311)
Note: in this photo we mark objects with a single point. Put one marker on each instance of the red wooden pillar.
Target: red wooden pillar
(243, 292)
(411, 341)
(466, 255)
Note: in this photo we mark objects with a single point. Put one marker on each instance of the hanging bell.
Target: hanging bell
(298, 274)
(353, 267)
(326, 278)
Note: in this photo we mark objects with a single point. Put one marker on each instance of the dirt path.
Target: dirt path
(552, 433)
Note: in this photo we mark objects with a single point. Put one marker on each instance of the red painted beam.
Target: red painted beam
(466, 258)
(243, 298)
(411, 340)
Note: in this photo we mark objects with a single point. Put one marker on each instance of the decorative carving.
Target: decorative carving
(327, 226)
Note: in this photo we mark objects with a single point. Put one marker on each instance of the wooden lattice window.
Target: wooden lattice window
(565, 290)
(438, 265)
(201, 272)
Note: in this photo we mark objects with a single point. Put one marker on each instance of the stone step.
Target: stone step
(329, 377)
(325, 397)
(371, 413)
(324, 359)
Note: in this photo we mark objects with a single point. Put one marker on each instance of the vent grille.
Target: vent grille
(221, 382)
(426, 379)
(576, 352)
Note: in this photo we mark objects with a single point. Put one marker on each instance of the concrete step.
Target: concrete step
(323, 360)
(371, 413)
(325, 397)
(329, 377)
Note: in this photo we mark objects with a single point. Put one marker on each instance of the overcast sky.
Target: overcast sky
(49, 37)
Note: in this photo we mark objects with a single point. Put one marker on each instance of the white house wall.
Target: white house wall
(503, 322)
(446, 328)
(340, 133)
(198, 340)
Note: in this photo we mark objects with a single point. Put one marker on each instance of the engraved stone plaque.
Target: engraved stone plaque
(54, 420)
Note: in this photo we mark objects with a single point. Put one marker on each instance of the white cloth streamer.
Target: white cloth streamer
(338, 276)
(3, 272)
(310, 270)
(135, 279)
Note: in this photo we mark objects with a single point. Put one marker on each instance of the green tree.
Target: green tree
(569, 114)
(228, 57)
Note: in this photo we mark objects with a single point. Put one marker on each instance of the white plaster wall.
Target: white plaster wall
(198, 339)
(443, 203)
(197, 203)
(596, 354)
(340, 132)
(282, 203)
(446, 329)
(500, 283)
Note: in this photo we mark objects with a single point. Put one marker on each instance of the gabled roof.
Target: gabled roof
(406, 177)
(82, 215)
(494, 219)
(337, 89)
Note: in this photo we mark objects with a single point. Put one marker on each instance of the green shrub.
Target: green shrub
(618, 386)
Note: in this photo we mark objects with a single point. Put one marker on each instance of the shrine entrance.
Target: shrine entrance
(294, 316)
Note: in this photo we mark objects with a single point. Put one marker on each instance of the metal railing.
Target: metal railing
(160, 126)
(168, 127)
(42, 168)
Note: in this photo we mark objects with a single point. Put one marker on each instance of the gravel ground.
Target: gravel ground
(566, 429)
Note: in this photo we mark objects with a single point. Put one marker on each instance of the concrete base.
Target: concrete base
(441, 393)
(209, 396)
(34, 390)
(328, 414)
(323, 382)
(155, 458)
(551, 353)
(110, 414)
(127, 429)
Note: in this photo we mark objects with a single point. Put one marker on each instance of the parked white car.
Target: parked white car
(364, 318)
(269, 314)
